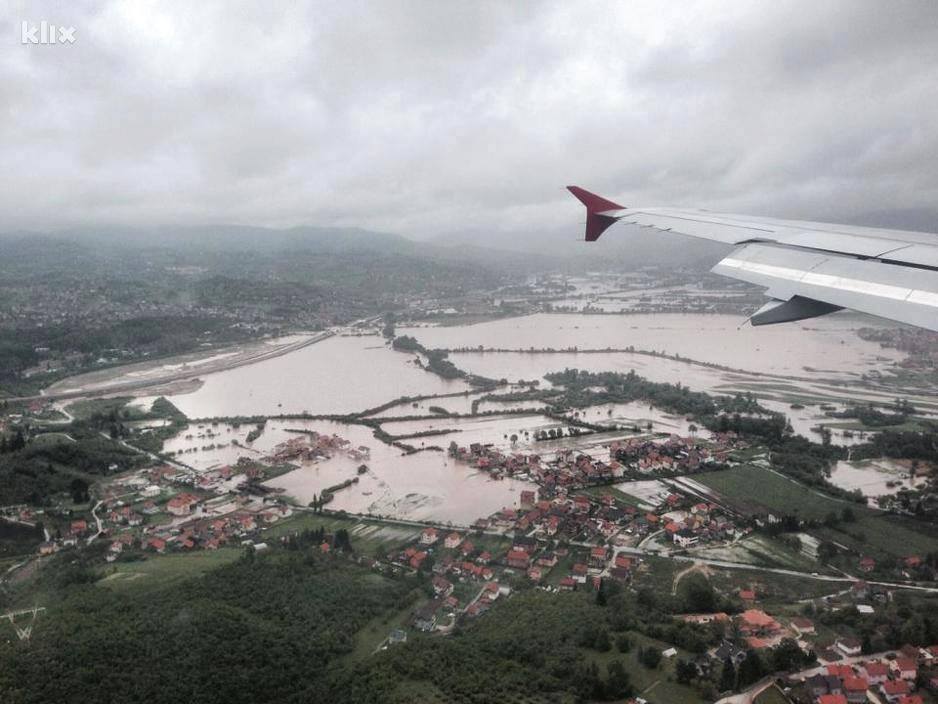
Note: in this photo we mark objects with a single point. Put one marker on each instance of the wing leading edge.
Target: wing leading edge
(808, 268)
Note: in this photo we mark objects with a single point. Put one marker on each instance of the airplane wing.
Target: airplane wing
(808, 268)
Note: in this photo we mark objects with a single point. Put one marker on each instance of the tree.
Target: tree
(826, 551)
(752, 669)
(623, 644)
(79, 491)
(602, 643)
(698, 593)
(618, 684)
(601, 594)
(685, 671)
(19, 441)
(787, 655)
(728, 676)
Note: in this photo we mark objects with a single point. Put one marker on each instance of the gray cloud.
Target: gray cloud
(431, 118)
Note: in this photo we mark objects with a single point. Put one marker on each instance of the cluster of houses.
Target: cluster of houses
(909, 567)
(675, 454)
(202, 523)
(201, 512)
(891, 680)
(311, 446)
(560, 515)
(169, 506)
(569, 469)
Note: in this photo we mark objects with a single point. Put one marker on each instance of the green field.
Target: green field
(754, 489)
(160, 570)
(598, 491)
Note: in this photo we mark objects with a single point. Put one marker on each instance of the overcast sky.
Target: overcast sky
(433, 118)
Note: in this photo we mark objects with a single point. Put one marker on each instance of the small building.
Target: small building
(875, 672)
(905, 668)
(429, 536)
(398, 635)
(452, 541)
(425, 616)
(685, 537)
(894, 690)
(182, 504)
(442, 587)
(803, 626)
(855, 689)
(832, 699)
(850, 647)
(518, 559)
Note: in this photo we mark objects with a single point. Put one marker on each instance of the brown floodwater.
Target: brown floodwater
(337, 375)
(423, 486)
(825, 348)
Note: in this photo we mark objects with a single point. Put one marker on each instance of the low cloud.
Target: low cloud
(432, 119)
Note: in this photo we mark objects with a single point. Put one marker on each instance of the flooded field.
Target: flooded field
(496, 430)
(426, 485)
(338, 375)
(649, 492)
(825, 348)
(874, 477)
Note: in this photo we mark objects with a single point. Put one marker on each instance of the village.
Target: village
(575, 531)
(170, 507)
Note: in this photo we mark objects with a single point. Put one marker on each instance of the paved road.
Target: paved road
(190, 373)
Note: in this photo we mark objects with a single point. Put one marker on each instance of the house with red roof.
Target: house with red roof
(598, 556)
(841, 671)
(876, 672)
(518, 559)
(832, 699)
(867, 564)
(854, 689)
(429, 536)
(417, 560)
(452, 541)
(756, 622)
(911, 699)
(905, 668)
(442, 587)
(182, 504)
(894, 690)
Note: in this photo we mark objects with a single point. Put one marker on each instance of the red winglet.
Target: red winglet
(596, 224)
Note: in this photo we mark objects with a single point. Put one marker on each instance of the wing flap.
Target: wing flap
(890, 291)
